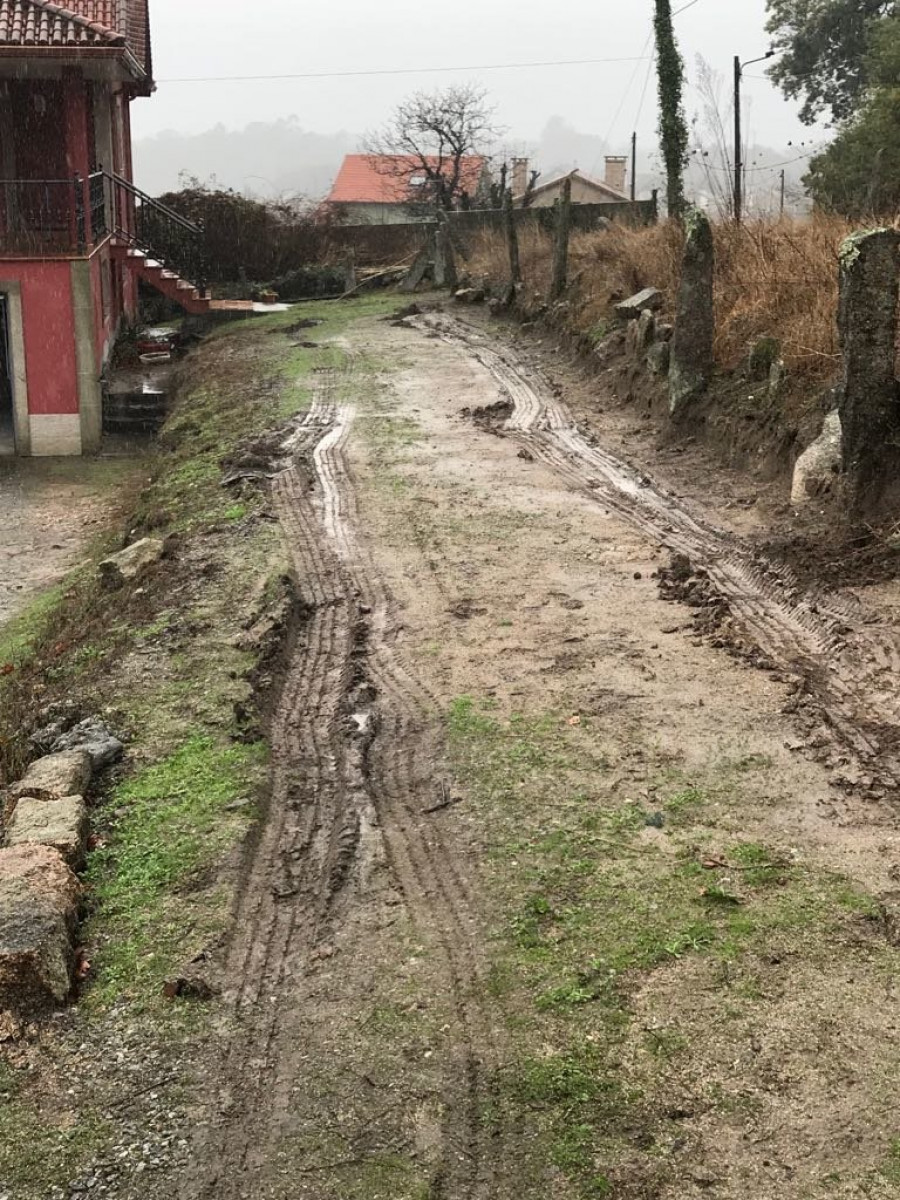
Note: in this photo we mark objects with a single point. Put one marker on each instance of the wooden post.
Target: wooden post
(445, 273)
(633, 167)
(512, 239)
(738, 144)
(561, 242)
(350, 271)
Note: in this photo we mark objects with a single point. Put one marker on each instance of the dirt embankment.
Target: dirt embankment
(574, 872)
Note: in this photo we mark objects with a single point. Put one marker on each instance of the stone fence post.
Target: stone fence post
(692, 342)
(868, 394)
(560, 274)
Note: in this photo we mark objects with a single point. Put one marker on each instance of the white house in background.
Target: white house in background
(585, 190)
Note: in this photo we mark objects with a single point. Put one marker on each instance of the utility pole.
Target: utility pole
(738, 133)
(782, 191)
(633, 167)
(738, 145)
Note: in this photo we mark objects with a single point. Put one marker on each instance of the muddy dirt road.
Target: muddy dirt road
(578, 870)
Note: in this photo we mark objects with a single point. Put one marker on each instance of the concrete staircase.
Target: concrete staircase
(170, 284)
(163, 280)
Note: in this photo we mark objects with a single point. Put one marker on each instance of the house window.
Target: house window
(418, 181)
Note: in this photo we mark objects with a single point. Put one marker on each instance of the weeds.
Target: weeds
(773, 279)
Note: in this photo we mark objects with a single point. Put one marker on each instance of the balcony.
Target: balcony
(67, 218)
(42, 218)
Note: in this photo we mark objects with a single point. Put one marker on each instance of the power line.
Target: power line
(627, 90)
(771, 167)
(520, 66)
(640, 111)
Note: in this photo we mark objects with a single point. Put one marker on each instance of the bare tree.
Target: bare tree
(712, 148)
(427, 141)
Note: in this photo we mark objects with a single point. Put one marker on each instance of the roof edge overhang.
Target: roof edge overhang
(74, 55)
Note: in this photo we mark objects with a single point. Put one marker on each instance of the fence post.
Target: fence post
(867, 397)
(692, 342)
(350, 271)
(561, 242)
(445, 274)
(512, 238)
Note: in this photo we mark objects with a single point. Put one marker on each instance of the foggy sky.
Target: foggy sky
(198, 38)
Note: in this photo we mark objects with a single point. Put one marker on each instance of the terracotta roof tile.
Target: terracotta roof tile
(40, 23)
(386, 179)
(127, 17)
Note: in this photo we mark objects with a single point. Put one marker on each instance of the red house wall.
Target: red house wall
(49, 334)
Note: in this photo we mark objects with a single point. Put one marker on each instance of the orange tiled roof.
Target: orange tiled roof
(128, 17)
(385, 179)
(77, 24)
(40, 23)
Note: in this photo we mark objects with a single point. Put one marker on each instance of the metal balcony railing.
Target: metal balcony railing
(156, 230)
(40, 218)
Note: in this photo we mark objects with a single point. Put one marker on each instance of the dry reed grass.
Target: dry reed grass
(773, 278)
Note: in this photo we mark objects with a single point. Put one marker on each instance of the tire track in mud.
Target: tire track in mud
(356, 744)
(402, 763)
(848, 668)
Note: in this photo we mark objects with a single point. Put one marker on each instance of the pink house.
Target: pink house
(75, 234)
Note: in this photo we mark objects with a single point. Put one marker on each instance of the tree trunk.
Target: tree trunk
(561, 243)
(673, 129)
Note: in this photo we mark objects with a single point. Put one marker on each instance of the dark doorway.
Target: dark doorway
(7, 428)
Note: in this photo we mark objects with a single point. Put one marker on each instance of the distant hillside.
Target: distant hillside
(266, 158)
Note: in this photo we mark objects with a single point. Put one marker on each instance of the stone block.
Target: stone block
(691, 367)
(39, 899)
(631, 309)
(641, 334)
(658, 358)
(93, 736)
(55, 776)
(818, 466)
(61, 824)
(764, 354)
(128, 564)
(868, 398)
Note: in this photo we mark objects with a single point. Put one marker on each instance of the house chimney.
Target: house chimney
(616, 169)
(519, 176)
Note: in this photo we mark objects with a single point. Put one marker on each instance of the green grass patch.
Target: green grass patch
(41, 1151)
(19, 636)
(595, 890)
(166, 825)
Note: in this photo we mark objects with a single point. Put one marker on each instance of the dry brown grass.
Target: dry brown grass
(774, 279)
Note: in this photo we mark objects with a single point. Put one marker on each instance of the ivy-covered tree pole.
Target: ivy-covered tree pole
(673, 130)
